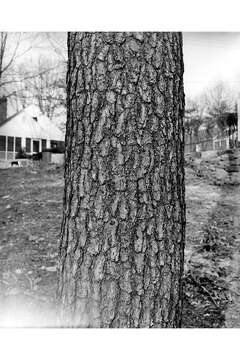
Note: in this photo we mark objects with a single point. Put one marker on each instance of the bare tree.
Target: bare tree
(13, 46)
(58, 42)
(43, 84)
(122, 243)
(6, 60)
(218, 100)
(194, 118)
(25, 80)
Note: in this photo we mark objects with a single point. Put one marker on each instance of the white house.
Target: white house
(28, 129)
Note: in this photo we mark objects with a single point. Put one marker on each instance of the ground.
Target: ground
(212, 253)
(30, 222)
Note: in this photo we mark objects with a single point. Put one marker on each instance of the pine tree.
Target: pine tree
(123, 229)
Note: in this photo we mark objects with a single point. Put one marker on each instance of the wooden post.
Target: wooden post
(14, 148)
(6, 148)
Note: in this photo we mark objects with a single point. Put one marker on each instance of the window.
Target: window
(44, 144)
(18, 144)
(36, 146)
(2, 143)
(10, 143)
(28, 145)
(53, 144)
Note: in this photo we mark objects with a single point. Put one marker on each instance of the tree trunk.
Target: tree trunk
(123, 229)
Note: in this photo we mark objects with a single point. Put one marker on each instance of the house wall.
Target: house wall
(12, 153)
(24, 126)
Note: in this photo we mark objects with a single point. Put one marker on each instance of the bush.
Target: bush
(57, 149)
(37, 156)
(47, 150)
(23, 155)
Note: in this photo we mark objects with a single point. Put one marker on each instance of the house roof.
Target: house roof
(10, 117)
(30, 122)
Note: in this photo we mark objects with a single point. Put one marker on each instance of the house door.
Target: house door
(36, 146)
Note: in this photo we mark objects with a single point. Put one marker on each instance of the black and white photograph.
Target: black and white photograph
(119, 179)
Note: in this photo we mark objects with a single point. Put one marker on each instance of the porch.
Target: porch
(10, 146)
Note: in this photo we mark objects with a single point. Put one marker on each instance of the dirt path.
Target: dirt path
(232, 314)
(212, 256)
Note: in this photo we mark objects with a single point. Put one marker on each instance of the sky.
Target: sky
(209, 58)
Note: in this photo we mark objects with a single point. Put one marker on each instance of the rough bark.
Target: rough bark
(123, 229)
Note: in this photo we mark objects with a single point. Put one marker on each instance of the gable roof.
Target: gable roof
(23, 124)
(10, 117)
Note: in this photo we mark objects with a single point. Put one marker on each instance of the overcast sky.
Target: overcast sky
(210, 57)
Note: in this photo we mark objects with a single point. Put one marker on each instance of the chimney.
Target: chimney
(3, 109)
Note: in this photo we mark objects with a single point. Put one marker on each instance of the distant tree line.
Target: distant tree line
(210, 109)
